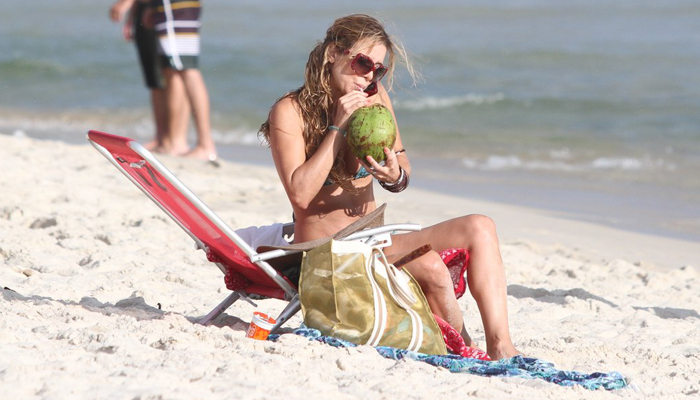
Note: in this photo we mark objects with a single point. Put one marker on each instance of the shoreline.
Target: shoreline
(104, 289)
(514, 221)
(637, 209)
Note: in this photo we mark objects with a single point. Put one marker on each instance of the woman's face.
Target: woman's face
(343, 78)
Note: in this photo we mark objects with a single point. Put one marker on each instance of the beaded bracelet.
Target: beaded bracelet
(337, 128)
(400, 185)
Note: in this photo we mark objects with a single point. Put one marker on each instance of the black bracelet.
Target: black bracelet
(400, 185)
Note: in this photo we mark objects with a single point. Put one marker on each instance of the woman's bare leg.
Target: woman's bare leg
(485, 276)
(436, 283)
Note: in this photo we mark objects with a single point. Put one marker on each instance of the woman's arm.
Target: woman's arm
(302, 178)
(395, 157)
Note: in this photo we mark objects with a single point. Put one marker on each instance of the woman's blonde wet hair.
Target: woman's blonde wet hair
(314, 99)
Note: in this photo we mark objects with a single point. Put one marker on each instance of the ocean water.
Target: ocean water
(590, 109)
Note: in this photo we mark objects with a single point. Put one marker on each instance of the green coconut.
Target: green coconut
(370, 129)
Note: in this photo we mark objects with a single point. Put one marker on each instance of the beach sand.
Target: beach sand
(102, 288)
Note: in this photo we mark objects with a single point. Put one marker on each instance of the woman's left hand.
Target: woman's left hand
(389, 172)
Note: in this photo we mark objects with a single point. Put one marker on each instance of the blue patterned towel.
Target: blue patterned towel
(523, 367)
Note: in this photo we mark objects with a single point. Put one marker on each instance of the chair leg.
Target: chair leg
(292, 308)
(218, 310)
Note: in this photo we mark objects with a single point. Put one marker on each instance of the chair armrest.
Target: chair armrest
(268, 255)
(383, 231)
(391, 228)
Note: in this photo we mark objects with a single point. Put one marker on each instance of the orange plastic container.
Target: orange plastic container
(260, 326)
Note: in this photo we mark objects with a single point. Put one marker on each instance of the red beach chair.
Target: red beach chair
(247, 272)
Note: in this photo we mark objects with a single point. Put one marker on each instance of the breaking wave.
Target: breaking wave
(435, 103)
(513, 162)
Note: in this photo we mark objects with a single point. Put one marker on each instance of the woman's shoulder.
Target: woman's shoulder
(285, 114)
(287, 106)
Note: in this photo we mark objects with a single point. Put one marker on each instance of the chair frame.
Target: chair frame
(380, 236)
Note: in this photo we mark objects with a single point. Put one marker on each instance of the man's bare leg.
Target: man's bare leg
(199, 100)
(174, 142)
(159, 108)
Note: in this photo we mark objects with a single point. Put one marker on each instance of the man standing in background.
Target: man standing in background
(146, 41)
(177, 24)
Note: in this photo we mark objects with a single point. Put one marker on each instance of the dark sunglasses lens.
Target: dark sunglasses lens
(372, 89)
(362, 64)
(379, 74)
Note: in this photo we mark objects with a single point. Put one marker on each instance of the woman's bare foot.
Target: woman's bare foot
(503, 350)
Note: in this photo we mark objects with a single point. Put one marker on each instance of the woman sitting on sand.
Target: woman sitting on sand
(329, 188)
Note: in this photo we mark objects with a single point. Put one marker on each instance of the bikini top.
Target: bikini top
(361, 173)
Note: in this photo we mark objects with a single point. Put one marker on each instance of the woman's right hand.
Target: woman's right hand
(347, 104)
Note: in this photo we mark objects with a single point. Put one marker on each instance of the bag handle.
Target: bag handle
(401, 293)
(400, 290)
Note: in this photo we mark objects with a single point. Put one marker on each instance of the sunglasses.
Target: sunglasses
(363, 65)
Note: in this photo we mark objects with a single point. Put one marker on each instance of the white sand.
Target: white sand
(89, 259)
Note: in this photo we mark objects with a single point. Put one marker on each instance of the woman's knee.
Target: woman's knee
(479, 227)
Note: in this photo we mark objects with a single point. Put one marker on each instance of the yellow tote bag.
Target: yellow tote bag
(348, 290)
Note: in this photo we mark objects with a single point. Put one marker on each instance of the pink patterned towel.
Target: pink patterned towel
(457, 261)
(455, 344)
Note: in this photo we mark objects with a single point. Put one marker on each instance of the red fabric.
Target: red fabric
(235, 281)
(455, 344)
(457, 261)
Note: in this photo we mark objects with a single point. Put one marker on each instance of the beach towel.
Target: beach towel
(518, 366)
